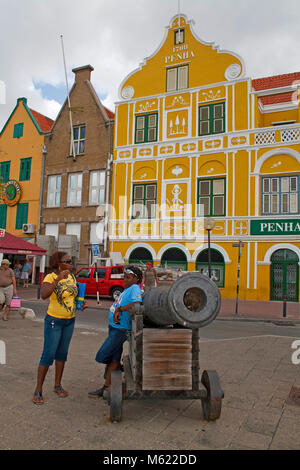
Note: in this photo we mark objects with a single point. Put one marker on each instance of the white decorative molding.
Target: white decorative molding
(271, 153)
(140, 245)
(174, 245)
(177, 170)
(279, 246)
(233, 72)
(214, 246)
(127, 93)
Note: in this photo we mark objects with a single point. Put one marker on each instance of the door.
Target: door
(103, 286)
(285, 276)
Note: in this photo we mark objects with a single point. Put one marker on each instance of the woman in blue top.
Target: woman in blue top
(119, 323)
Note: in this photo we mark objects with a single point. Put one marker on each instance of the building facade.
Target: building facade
(77, 180)
(195, 140)
(21, 145)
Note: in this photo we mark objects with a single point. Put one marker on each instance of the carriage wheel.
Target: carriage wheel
(212, 403)
(116, 396)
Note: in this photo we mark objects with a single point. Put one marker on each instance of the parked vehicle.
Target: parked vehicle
(110, 280)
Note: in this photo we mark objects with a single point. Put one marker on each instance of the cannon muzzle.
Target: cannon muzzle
(193, 301)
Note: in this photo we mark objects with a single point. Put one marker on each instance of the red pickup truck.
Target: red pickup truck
(110, 280)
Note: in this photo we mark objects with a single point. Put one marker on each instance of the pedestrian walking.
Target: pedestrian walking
(119, 324)
(150, 277)
(60, 286)
(26, 270)
(17, 272)
(8, 287)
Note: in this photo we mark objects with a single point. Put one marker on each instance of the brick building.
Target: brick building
(76, 182)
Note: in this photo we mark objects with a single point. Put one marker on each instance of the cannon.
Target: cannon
(163, 352)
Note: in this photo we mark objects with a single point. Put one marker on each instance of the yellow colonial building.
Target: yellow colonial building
(21, 168)
(195, 140)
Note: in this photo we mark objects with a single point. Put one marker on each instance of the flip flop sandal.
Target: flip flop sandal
(61, 392)
(38, 398)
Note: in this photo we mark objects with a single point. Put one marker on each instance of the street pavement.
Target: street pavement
(260, 410)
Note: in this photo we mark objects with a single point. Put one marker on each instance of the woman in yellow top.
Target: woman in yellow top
(60, 286)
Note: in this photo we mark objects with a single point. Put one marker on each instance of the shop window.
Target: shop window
(217, 266)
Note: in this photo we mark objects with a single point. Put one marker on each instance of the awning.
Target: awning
(11, 244)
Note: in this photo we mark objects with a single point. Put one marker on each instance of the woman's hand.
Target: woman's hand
(15, 292)
(62, 275)
(84, 306)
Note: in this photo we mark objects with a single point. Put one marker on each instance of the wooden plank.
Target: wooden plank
(167, 359)
(167, 382)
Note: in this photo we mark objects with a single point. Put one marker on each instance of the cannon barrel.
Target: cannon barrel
(193, 301)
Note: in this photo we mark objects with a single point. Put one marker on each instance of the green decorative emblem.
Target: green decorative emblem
(12, 193)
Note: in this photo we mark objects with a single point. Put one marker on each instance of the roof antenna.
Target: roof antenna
(69, 104)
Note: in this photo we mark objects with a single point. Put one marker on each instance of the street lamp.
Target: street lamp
(209, 224)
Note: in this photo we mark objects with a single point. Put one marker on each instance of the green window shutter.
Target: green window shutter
(3, 212)
(146, 128)
(25, 169)
(22, 215)
(212, 119)
(4, 171)
(18, 130)
(211, 197)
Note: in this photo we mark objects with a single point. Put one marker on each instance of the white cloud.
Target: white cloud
(114, 37)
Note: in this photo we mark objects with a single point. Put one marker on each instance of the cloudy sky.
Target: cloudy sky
(115, 36)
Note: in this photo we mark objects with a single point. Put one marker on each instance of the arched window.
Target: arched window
(285, 275)
(217, 265)
(140, 256)
(174, 257)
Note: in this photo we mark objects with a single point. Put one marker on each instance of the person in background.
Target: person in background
(60, 286)
(17, 272)
(119, 324)
(8, 287)
(26, 269)
(150, 277)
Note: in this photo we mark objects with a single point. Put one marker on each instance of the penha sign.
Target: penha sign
(275, 227)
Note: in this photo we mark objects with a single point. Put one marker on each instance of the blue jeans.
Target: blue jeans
(112, 348)
(57, 336)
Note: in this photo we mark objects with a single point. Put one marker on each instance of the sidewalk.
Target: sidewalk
(247, 309)
(256, 374)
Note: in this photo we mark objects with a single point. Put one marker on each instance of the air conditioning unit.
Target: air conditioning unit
(28, 228)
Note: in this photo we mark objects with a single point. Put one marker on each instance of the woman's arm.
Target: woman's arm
(123, 308)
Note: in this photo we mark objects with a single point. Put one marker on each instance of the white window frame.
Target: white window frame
(55, 192)
(99, 188)
(52, 229)
(177, 70)
(77, 189)
(79, 140)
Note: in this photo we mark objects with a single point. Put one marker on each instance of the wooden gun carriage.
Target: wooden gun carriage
(163, 356)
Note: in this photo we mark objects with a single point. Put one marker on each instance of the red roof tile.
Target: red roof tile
(109, 113)
(275, 81)
(279, 98)
(44, 122)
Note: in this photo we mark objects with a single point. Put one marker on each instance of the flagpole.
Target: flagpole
(68, 96)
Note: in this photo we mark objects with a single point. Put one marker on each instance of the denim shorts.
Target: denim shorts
(112, 348)
(57, 336)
